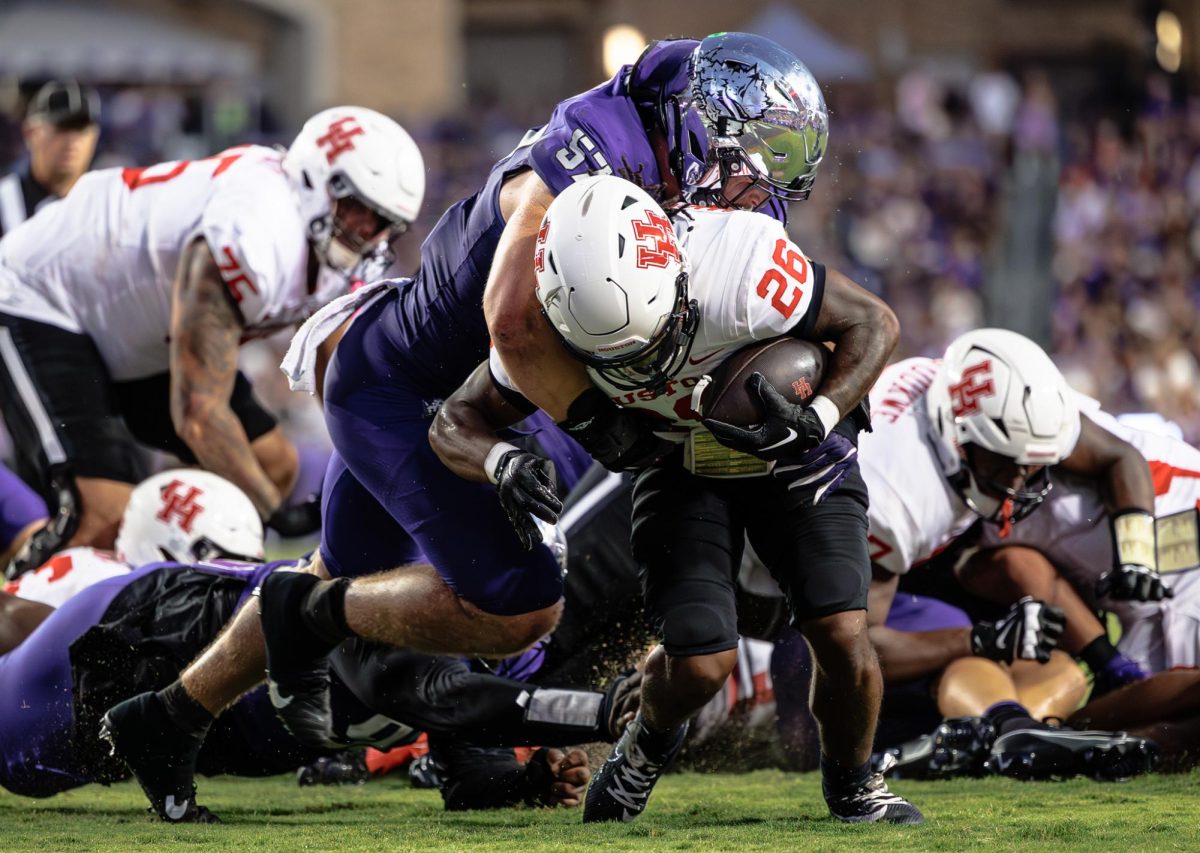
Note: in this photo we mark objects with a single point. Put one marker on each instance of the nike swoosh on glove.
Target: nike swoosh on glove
(1132, 582)
(787, 429)
(818, 472)
(1029, 631)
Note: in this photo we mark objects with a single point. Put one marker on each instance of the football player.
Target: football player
(650, 309)
(130, 631)
(388, 500)
(122, 309)
(978, 436)
(1102, 556)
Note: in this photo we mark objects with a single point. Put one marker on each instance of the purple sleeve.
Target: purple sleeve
(597, 133)
(20, 506)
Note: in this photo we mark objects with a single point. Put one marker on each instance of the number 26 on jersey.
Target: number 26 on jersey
(782, 283)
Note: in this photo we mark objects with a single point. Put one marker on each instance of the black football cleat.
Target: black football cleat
(1050, 753)
(872, 802)
(960, 747)
(161, 756)
(297, 660)
(621, 788)
(909, 760)
(341, 768)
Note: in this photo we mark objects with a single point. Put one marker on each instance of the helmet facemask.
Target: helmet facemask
(997, 501)
(344, 248)
(663, 356)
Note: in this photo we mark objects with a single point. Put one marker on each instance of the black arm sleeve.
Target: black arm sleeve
(808, 322)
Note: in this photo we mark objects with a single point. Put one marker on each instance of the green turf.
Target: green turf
(766, 810)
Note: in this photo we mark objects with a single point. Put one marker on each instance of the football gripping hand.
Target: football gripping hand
(299, 519)
(1133, 583)
(787, 429)
(1029, 631)
(525, 484)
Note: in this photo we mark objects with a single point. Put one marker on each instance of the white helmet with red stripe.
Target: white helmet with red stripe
(613, 282)
(188, 515)
(999, 391)
(354, 152)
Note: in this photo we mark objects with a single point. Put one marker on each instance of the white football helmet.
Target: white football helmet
(613, 282)
(188, 515)
(354, 152)
(998, 390)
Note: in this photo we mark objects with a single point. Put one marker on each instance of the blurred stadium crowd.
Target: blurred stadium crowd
(911, 202)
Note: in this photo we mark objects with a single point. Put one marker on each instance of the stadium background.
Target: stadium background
(1010, 162)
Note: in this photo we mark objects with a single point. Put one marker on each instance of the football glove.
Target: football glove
(787, 429)
(293, 520)
(1135, 577)
(525, 484)
(1029, 631)
(818, 472)
(617, 438)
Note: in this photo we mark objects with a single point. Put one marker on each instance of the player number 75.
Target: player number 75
(785, 295)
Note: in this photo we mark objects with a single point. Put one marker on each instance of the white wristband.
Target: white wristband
(493, 458)
(827, 412)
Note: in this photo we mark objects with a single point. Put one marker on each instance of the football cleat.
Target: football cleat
(297, 660)
(1049, 753)
(423, 772)
(161, 756)
(341, 768)
(872, 802)
(909, 760)
(621, 788)
(960, 747)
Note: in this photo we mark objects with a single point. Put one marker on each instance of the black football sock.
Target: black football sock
(655, 744)
(837, 777)
(324, 610)
(185, 712)
(1098, 653)
(1009, 715)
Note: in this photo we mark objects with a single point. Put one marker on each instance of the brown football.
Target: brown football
(795, 367)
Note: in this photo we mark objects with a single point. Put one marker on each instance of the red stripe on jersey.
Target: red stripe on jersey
(1163, 473)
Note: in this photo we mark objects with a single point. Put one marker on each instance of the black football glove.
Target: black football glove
(293, 520)
(525, 484)
(787, 429)
(1029, 631)
(619, 439)
(1132, 582)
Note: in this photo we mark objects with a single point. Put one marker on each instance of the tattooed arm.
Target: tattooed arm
(205, 329)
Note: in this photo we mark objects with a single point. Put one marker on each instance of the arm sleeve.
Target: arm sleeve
(259, 245)
(505, 386)
(569, 149)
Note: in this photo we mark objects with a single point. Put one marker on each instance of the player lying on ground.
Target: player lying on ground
(389, 502)
(128, 630)
(677, 311)
(123, 306)
(1101, 555)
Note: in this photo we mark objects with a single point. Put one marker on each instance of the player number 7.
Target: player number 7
(786, 295)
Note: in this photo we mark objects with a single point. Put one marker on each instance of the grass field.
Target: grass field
(765, 810)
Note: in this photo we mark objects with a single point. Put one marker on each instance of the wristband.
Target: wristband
(827, 412)
(492, 460)
(1133, 530)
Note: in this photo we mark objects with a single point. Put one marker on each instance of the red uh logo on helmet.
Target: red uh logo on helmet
(179, 501)
(340, 137)
(655, 241)
(539, 257)
(976, 384)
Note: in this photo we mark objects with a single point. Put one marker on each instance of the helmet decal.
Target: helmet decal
(976, 384)
(655, 241)
(339, 138)
(179, 501)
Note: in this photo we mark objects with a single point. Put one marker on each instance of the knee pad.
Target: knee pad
(56, 532)
(699, 628)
